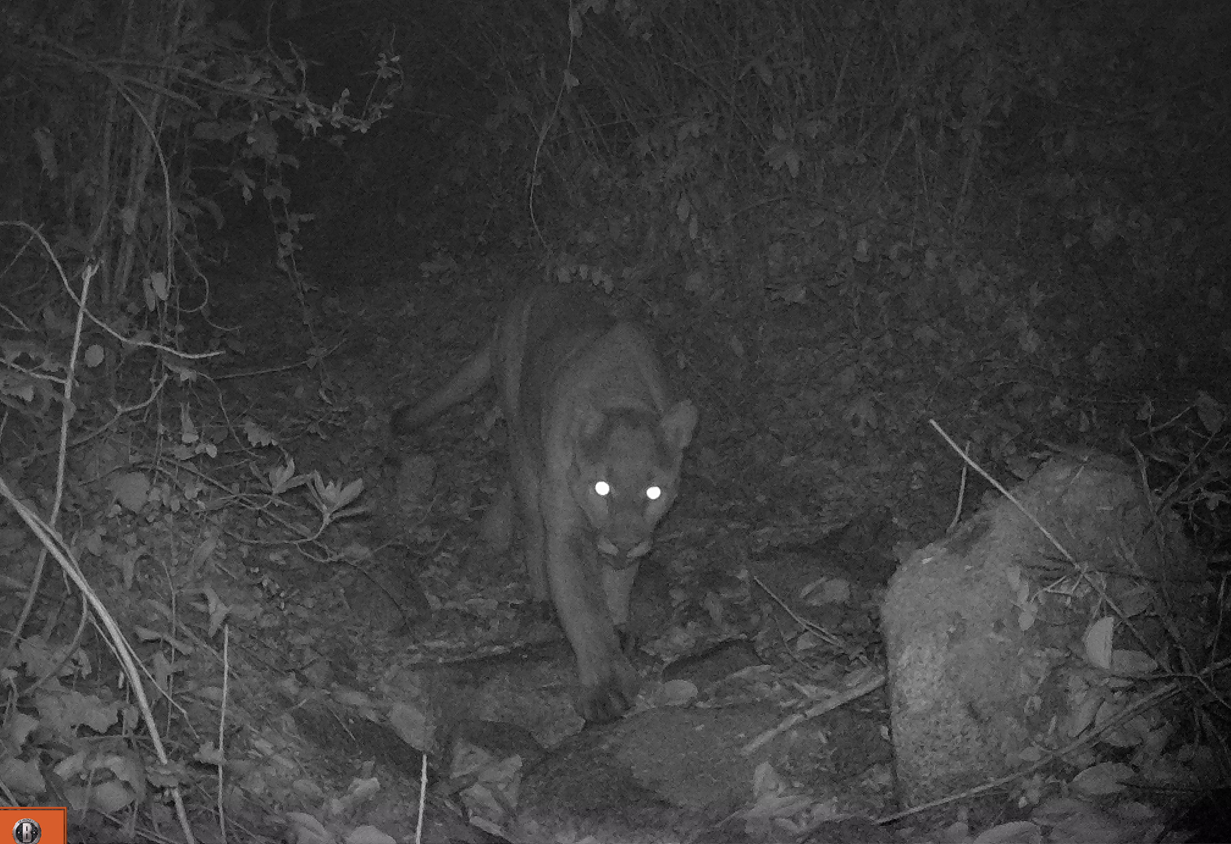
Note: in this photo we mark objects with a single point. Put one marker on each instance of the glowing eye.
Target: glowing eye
(602, 488)
(653, 493)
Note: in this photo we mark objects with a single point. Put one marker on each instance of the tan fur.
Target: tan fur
(585, 400)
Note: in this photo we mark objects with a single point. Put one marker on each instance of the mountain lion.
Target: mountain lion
(595, 442)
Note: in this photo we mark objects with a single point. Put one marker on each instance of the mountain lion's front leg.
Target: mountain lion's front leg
(528, 488)
(608, 682)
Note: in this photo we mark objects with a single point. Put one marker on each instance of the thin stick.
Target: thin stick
(36, 580)
(422, 800)
(961, 495)
(868, 686)
(801, 621)
(222, 723)
(1000, 488)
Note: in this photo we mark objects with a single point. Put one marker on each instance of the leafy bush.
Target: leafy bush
(127, 129)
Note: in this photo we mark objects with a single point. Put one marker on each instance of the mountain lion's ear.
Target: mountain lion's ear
(678, 423)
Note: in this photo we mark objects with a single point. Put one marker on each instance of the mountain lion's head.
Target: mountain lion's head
(625, 473)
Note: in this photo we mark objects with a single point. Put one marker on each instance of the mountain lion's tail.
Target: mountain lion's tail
(460, 387)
